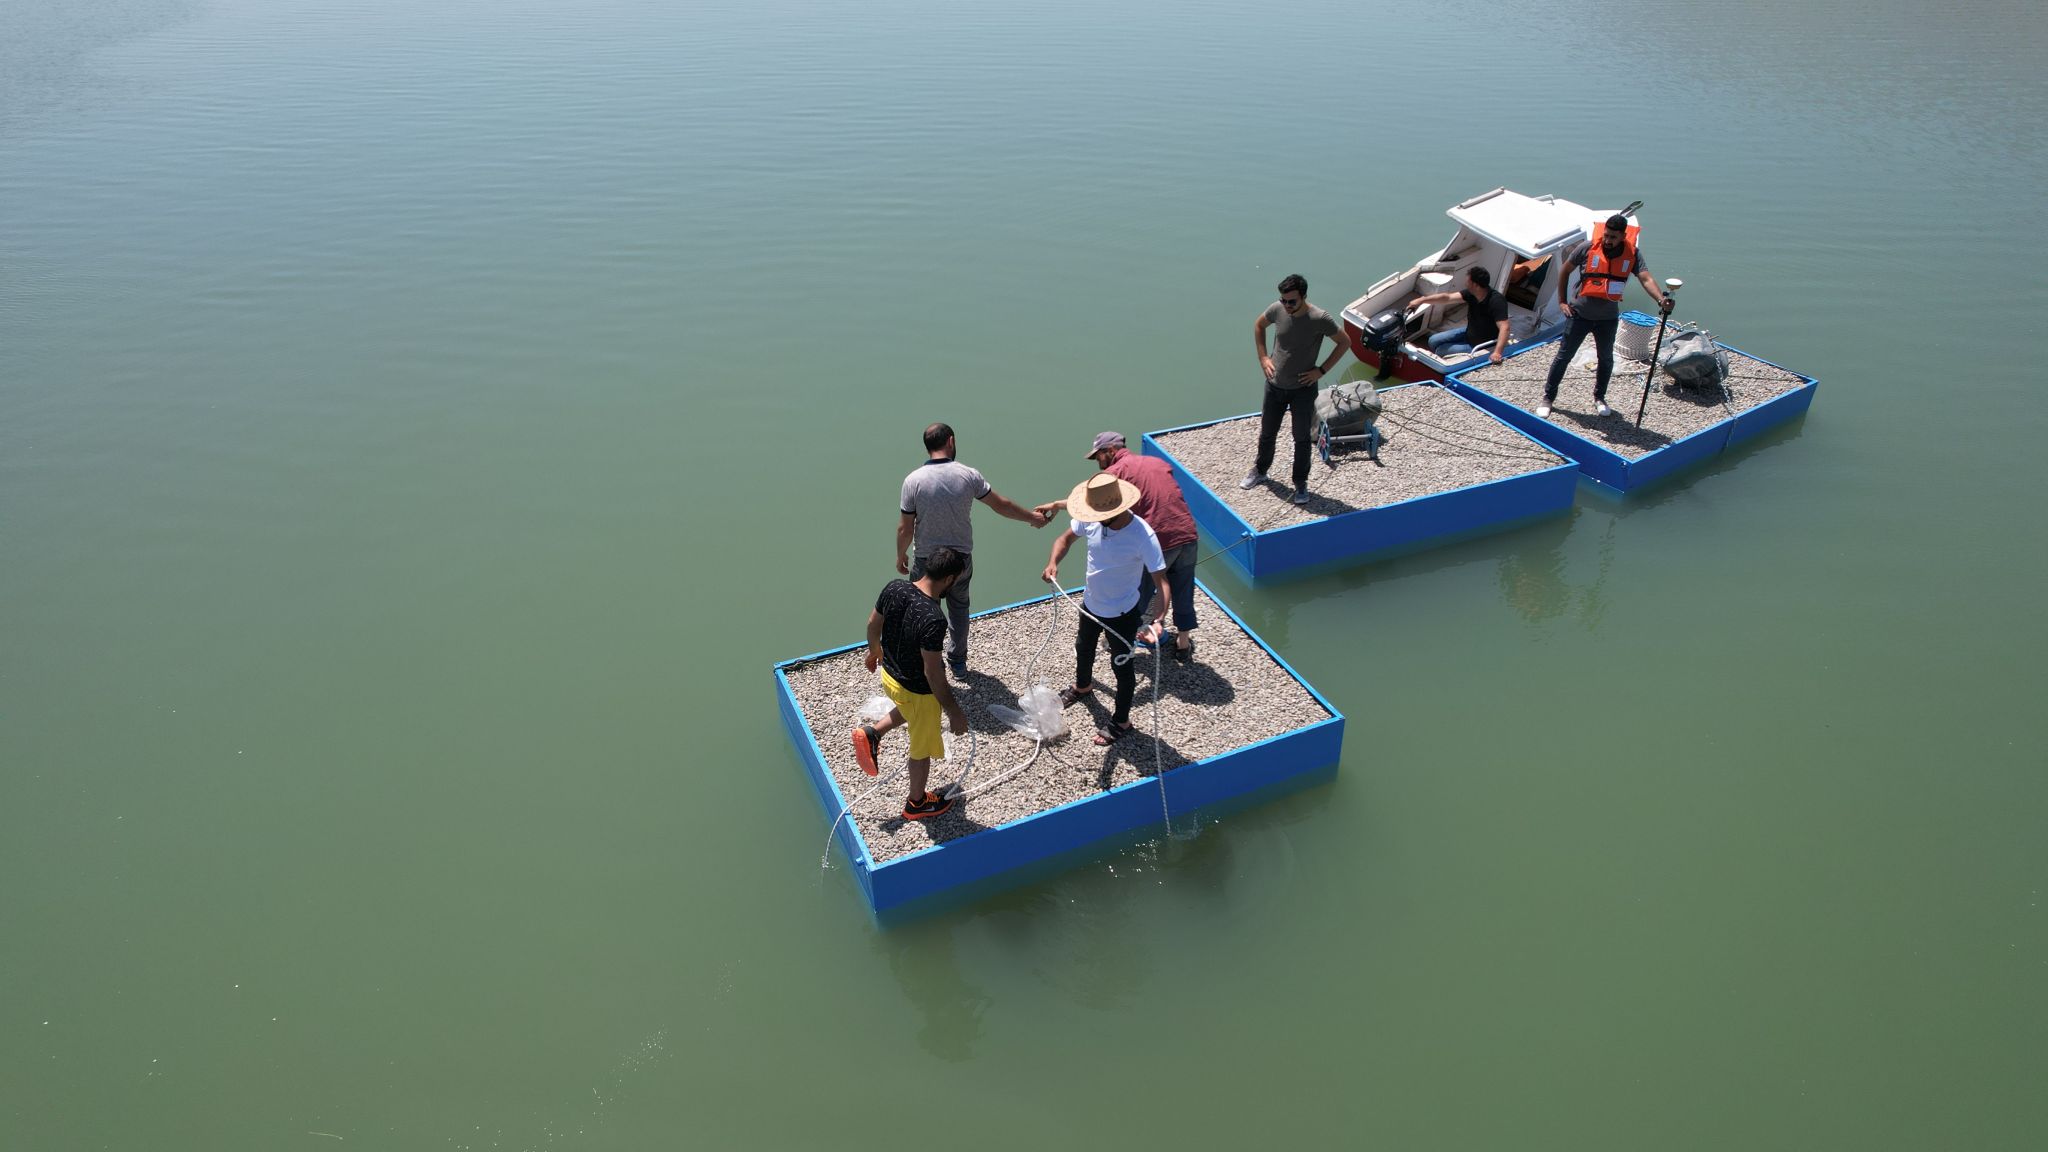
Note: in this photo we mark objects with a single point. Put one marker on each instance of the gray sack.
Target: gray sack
(1691, 359)
(1349, 409)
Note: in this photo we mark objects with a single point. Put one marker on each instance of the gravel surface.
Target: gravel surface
(1231, 694)
(1437, 441)
(1672, 416)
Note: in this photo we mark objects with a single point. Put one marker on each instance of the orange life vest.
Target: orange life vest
(1602, 276)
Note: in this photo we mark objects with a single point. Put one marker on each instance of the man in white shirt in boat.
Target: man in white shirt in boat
(1122, 550)
(1486, 317)
(1602, 265)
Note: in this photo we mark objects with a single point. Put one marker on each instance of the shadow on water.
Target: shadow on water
(1688, 481)
(1532, 573)
(925, 961)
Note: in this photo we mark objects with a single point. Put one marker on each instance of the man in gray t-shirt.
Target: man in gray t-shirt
(1292, 371)
(937, 505)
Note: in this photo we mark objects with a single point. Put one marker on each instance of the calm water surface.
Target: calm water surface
(422, 425)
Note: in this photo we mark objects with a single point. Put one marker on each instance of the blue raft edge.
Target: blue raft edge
(1364, 535)
(1032, 846)
(1612, 471)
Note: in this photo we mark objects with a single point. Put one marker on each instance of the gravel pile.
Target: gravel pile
(1672, 416)
(1436, 442)
(1231, 694)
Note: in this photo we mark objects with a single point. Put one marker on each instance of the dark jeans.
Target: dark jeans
(1602, 328)
(956, 610)
(1302, 402)
(1180, 581)
(1084, 659)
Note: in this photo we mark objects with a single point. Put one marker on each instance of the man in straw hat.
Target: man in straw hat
(1161, 506)
(906, 632)
(1122, 550)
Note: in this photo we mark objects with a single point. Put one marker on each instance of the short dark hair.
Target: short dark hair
(1480, 276)
(1294, 284)
(935, 436)
(944, 562)
(1617, 223)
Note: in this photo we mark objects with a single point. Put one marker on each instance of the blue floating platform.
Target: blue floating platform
(1620, 471)
(1365, 534)
(999, 857)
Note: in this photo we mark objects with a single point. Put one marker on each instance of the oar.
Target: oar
(1671, 288)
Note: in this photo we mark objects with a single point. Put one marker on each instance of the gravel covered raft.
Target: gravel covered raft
(1231, 694)
(1436, 441)
(1672, 416)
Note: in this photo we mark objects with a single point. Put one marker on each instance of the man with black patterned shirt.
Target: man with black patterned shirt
(906, 642)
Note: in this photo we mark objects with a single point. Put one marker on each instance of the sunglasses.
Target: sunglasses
(1295, 303)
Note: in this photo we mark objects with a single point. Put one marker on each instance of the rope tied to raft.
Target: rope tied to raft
(959, 787)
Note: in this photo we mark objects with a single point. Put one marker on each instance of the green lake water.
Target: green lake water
(423, 425)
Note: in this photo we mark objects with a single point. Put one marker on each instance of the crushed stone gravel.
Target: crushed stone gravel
(1673, 413)
(1436, 441)
(1232, 693)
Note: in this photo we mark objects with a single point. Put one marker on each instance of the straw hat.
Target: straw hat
(1101, 497)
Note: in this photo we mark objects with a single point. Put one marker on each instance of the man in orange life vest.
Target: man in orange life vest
(1603, 263)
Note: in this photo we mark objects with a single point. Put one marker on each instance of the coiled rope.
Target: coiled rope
(959, 787)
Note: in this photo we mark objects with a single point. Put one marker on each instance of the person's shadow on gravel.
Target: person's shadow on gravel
(1617, 429)
(1193, 682)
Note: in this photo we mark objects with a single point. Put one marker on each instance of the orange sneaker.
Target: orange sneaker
(865, 744)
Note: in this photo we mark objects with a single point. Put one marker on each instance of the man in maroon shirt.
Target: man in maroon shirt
(1161, 505)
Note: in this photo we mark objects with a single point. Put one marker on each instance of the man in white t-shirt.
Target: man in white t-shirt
(1122, 550)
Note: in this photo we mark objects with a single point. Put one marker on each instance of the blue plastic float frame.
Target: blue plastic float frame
(1033, 846)
(1623, 474)
(1366, 534)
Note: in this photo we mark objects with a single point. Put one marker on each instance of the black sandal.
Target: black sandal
(1107, 734)
(1071, 696)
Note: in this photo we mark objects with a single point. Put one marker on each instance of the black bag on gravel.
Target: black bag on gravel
(1691, 359)
(1348, 409)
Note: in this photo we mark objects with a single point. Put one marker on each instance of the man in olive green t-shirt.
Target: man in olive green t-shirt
(1292, 372)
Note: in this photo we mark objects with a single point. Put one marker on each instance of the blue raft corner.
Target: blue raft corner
(1035, 845)
(1371, 533)
(1624, 474)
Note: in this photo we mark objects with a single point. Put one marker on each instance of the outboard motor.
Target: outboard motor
(1384, 334)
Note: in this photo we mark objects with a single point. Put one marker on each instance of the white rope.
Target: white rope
(825, 858)
(959, 788)
(1158, 668)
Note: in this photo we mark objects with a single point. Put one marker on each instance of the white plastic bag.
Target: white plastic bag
(1037, 715)
(877, 708)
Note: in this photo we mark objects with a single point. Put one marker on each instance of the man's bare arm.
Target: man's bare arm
(935, 675)
(1004, 506)
(906, 529)
(1051, 575)
(1649, 284)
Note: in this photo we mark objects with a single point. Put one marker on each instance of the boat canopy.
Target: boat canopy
(1529, 225)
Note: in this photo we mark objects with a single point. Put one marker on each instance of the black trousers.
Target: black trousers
(1301, 402)
(1603, 345)
(1126, 675)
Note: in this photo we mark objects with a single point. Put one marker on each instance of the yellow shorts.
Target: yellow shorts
(921, 711)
